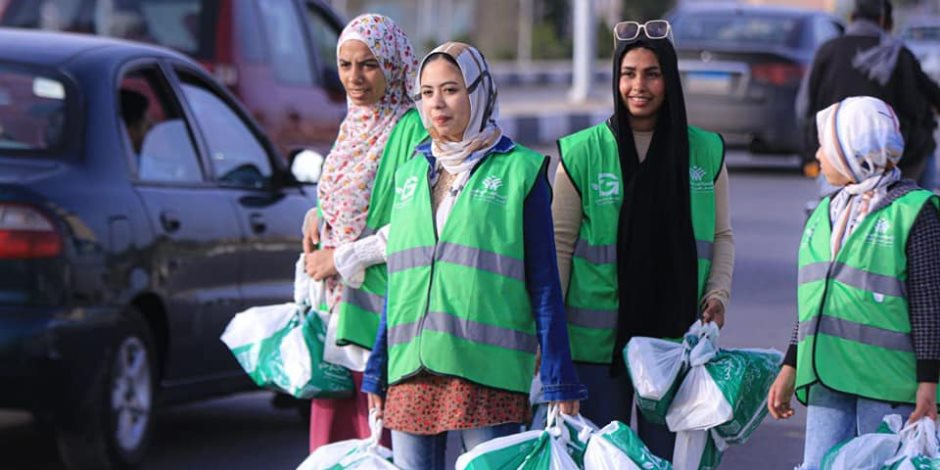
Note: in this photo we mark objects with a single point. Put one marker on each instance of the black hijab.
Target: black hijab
(656, 255)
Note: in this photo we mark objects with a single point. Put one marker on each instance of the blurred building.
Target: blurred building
(491, 25)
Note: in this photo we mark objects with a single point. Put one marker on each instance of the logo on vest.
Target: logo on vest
(698, 182)
(808, 234)
(881, 234)
(608, 189)
(406, 192)
(489, 193)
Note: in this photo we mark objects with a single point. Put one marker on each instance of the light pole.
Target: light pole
(584, 51)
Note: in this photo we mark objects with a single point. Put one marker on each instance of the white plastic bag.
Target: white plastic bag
(868, 451)
(354, 453)
(920, 446)
(529, 450)
(617, 447)
(310, 292)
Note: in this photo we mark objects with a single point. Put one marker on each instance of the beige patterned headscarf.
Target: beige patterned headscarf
(482, 132)
(861, 139)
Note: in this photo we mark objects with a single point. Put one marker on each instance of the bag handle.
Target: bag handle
(375, 428)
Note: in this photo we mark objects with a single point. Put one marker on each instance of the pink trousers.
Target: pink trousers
(339, 419)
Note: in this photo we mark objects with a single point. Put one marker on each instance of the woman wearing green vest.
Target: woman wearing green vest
(473, 282)
(343, 240)
(641, 224)
(867, 340)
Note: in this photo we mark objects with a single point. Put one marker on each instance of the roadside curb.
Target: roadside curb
(546, 128)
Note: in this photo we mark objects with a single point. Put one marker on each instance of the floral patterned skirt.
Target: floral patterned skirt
(430, 404)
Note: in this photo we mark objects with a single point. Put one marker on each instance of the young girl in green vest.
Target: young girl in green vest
(641, 224)
(473, 282)
(867, 341)
(343, 242)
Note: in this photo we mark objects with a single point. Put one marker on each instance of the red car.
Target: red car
(277, 56)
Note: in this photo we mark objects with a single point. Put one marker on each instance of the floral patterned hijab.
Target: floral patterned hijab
(349, 170)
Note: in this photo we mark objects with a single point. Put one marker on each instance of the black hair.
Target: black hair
(133, 106)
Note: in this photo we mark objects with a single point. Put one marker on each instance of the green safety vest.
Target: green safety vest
(592, 162)
(360, 309)
(457, 300)
(854, 325)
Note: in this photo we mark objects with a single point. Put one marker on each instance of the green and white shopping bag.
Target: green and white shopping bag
(362, 454)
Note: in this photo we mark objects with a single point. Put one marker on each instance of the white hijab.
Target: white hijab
(861, 139)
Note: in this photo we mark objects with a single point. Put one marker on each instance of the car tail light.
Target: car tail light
(776, 73)
(25, 233)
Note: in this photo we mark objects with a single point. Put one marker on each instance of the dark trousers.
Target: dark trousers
(611, 398)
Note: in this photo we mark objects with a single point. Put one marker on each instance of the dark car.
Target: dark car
(141, 207)
(741, 68)
(277, 56)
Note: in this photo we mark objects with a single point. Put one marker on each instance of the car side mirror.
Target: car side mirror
(306, 165)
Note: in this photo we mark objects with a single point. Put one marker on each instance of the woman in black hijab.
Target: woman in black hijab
(641, 224)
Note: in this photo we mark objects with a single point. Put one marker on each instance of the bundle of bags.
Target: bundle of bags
(711, 397)
(282, 346)
(915, 446)
(566, 443)
(362, 454)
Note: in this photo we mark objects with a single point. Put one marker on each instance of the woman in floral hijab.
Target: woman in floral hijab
(344, 236)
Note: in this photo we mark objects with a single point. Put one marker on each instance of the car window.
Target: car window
(287, 46)
(32, 110)
(235, 154)
(156, 133)
(325, 36)
(185, 25)
(824, 30)
(922, 33)
(750, 28)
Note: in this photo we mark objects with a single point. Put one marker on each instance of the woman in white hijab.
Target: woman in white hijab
(867, 340)
(473, 281)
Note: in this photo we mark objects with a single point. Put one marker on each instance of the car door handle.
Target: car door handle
(170, 221)
(257, 223)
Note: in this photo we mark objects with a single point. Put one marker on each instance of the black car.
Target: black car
(140, 209)
(741, 67)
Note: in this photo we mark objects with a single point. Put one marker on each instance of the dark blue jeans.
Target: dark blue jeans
(611, 398)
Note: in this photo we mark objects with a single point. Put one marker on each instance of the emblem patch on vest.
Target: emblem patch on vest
(698, 182)
(881, 234)
(406, 192)
(608, 189)
(490, 191)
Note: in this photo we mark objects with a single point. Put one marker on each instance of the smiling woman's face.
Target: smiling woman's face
(444, 99)
(360, 73)
(642, 87)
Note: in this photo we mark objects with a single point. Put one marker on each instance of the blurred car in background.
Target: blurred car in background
(140, 208)
(741, 67)
(277, 56)
(922, 36)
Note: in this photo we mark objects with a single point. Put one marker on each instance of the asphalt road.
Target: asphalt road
(245, 432)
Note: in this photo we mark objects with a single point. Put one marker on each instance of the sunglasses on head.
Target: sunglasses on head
(653, 29)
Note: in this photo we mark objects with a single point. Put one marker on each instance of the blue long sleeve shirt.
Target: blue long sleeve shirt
(559, 380)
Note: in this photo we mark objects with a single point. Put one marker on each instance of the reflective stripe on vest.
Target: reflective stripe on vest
(854, 322)
(464, 329)
(457, 300)
(359, 309)
(591, 159)
(857, 278)
(857, 332)
(457, 254)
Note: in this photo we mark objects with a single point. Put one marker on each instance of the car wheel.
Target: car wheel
(118, 422)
